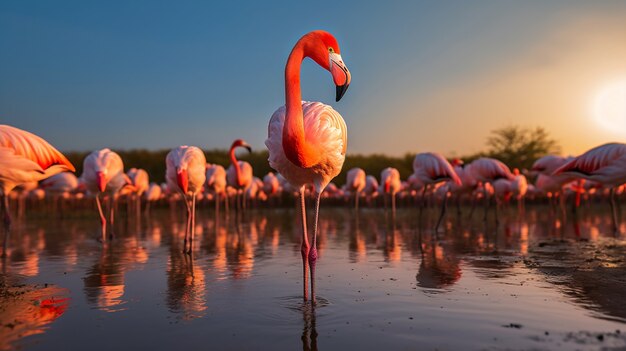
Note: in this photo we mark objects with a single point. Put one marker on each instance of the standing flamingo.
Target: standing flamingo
(355, 183)
(488, 170)
(103, 173)
(25, 157)
(186, 172)
(605, 164)
(432, 168)
(239, 174)
(519, 187)
(141, 182)
(216, 182)
(307, 140)
(390, 185)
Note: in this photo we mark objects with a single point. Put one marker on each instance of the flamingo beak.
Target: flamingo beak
(102, 183)
(182, 180)
(248, 147)
(341, 75)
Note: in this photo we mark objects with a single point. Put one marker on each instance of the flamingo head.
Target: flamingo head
(516, 171)
(324, 49)
(241, 143)
(182, 180)
(102, 181)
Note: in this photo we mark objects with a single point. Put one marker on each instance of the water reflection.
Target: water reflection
(186, 289)
(261, 250)
(439, 267)
(309, 331)
(28, 310)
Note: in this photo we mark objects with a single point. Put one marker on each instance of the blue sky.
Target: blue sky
(427, 75)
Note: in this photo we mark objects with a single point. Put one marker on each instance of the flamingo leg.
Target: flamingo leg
(356, 201)
(393, 205)
(304, 247)
(486, 201)
(313, 252)
(423, 202)
(112, 215)
(188, 226)
(193, 224)
(103, 220)
(7, 223)
(614, 211)
(443, 211)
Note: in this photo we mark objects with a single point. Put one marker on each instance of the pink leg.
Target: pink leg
(188, 226)
(193, 224)
(103, 220)
(313, 251)
(304, 248)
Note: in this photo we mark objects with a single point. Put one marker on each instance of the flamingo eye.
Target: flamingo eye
(330, 49)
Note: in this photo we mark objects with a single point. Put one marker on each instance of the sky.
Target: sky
(426, 75)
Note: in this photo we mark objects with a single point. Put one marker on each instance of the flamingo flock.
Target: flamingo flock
(307, 143)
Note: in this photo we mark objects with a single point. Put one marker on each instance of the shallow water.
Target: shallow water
(531, 283)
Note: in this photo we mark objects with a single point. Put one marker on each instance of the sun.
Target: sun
(609, 107)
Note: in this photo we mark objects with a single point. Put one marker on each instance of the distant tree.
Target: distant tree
(520, 147)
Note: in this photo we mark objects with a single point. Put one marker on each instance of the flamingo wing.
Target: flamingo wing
(32, 147)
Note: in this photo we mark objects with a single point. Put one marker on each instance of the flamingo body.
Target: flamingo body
(325, 130)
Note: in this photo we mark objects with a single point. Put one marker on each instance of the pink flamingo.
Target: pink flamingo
(239, 174)
(216, 182)
(186, 172)
(431, 168)
(24, 158)
(141, 182)
(605, 164)
(103, 173)
(355, 183)
(519, 187)
(488, 170)
(390, 185)
(307, 140)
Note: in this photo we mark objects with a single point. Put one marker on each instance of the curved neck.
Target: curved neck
(297, 150)
(233, 160)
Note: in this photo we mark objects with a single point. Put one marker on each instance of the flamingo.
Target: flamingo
(519, 187)
(355, 183)
(186, 173)
(371, 187)
(216, 181)
(431, 168)
(239, 174)
(390, 184)
(307, 140)
(141, 182)
(103, 173)
(24, 158)
(271, 185)
(468, 183)
(488, 170)
(605, 164)
(60, 186)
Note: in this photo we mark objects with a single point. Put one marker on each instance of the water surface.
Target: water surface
(533, 282)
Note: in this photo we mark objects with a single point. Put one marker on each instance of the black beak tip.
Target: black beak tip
(249, 148)
(341, 90)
